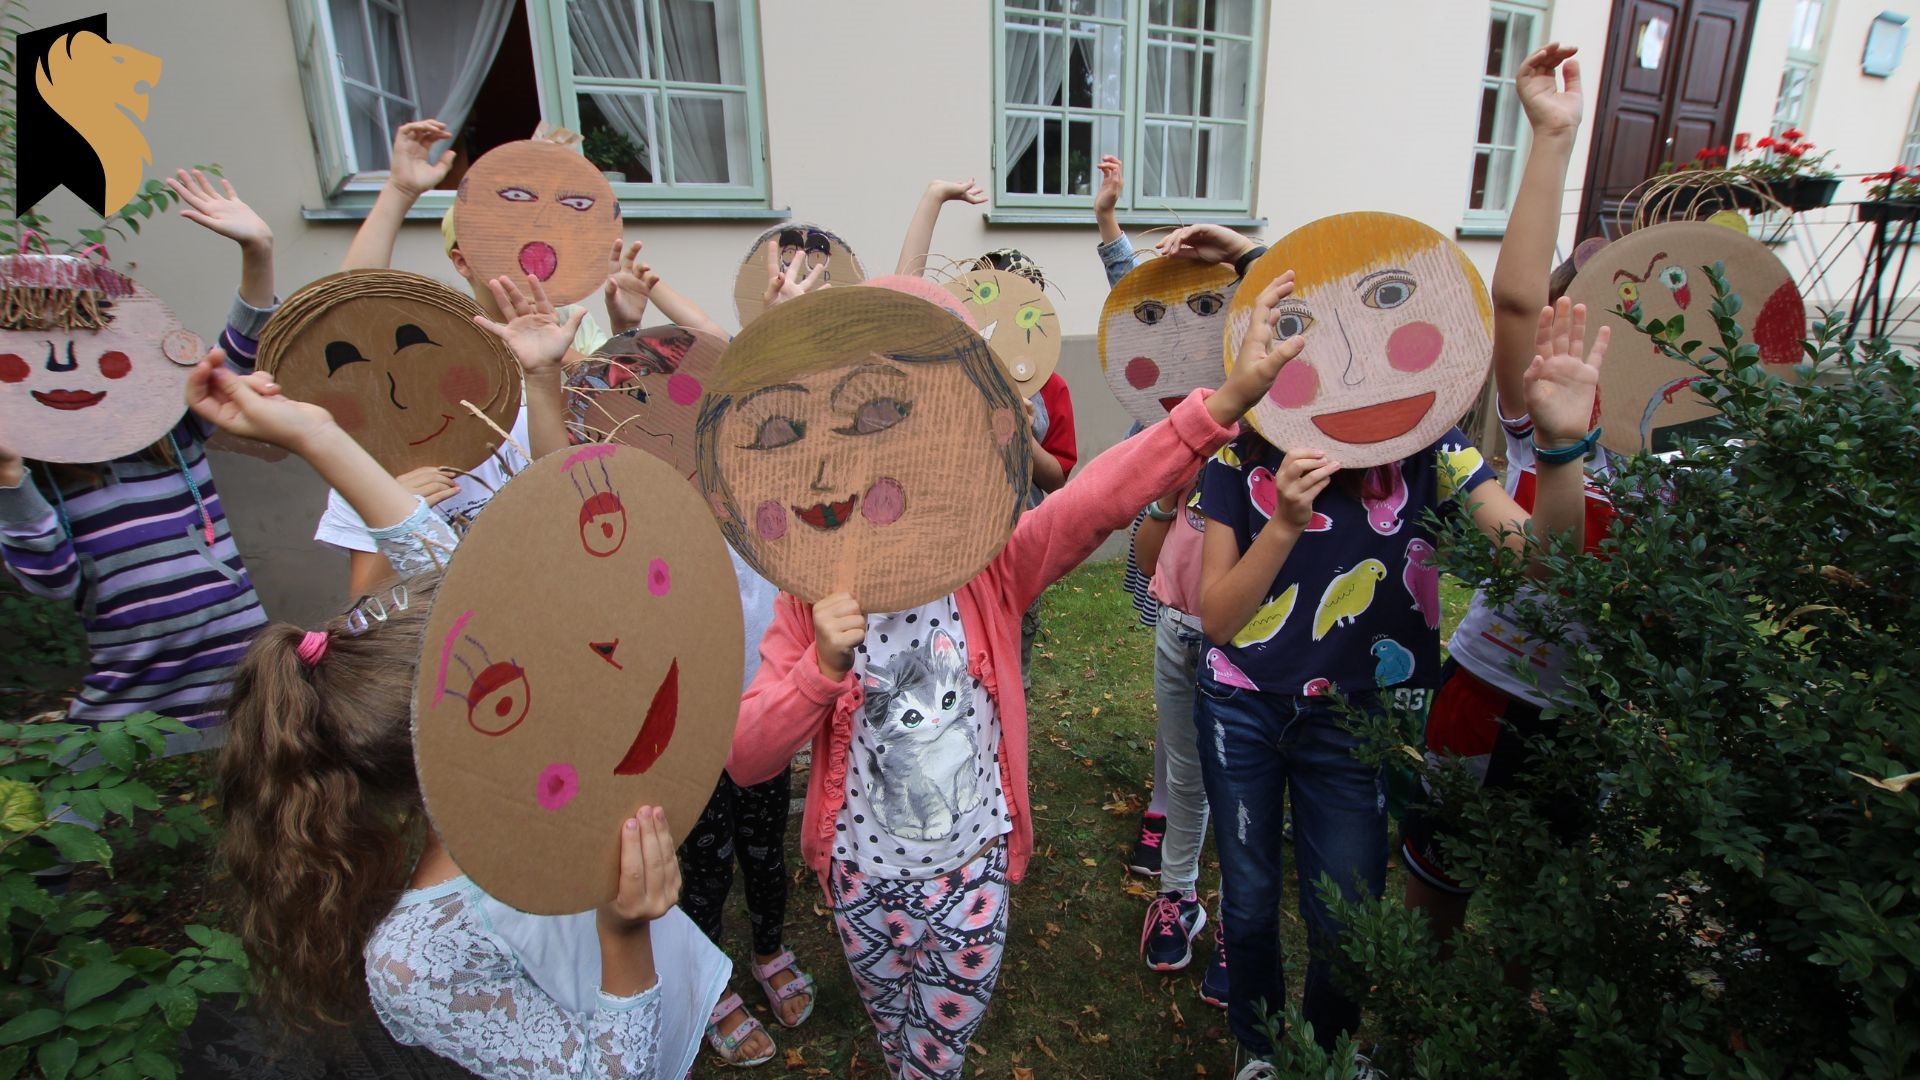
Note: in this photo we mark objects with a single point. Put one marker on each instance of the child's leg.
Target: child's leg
(959, 962)
(881, 929)
(706, 862)
(1176, 667)
(760, 843)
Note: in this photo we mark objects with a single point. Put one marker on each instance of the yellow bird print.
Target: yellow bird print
(1348, 596)
(1268, 620)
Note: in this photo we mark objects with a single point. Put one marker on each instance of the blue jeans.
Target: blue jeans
(1253, 747)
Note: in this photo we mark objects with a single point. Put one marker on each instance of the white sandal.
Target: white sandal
(728, 1046)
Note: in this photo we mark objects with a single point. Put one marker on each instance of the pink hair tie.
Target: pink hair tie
(312, 647)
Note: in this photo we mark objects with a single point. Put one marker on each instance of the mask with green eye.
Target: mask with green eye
(1017, 320)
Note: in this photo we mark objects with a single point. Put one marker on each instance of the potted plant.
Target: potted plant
(1705, 184)
(1786, 167)
(610, 151)
(1894, 195)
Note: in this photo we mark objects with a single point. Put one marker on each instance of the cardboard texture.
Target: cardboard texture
(642, 389)
(1018, 321)
(1646, 400)
(392, 355)
(92, 365)
(537, 209)
(583, 659)
(931, 292)
(797, 239)
(1161, 331)
(1399, 335)
(863, 440)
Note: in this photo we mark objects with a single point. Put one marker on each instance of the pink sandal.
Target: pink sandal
(728, 1046)
(801, 983)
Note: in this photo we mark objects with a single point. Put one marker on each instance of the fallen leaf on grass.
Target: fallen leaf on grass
(1022, 1074)
(1043, 943)
(1178, 1019)
(795, 1059)
(976, 1048)
(1045, 1049)
(1098, 954)
(1052, 929)
(1089, 862)
(1134, 888)
(1093, 712)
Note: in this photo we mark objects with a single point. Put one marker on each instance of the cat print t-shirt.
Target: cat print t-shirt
(923, 768)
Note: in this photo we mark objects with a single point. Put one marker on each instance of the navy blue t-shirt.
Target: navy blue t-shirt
(1357, 603)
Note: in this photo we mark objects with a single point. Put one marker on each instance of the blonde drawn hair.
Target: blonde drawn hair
(323, 811)
(1331, 249)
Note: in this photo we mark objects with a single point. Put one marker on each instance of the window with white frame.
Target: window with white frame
(1797, 78)
(665, 93)
(1167, 85)
(1514, 28)
(1910, 146)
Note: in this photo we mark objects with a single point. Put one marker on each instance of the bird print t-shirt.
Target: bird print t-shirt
(923, 769)
(1357, 604)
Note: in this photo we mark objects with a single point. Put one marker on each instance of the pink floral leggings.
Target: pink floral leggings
(925, 956)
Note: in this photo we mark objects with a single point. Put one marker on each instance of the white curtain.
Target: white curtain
(452, 44)
(612, 39)
(1036, 64)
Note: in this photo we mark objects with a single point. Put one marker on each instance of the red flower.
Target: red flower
(1766, 142)
(1793, 134)
(1795, 153)
(1898, 170)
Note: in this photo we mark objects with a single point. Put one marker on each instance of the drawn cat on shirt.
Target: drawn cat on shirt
(922, 773)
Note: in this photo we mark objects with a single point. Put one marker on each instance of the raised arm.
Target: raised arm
(414, 172)
(919, 238)
(1526, 255)
(540, 342)
(632, 284)
(221, 211)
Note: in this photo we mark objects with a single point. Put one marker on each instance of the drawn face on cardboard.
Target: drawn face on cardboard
(812, 244)
(392, 356)
(864, 440)
(1646, 400)
(85, 395)
(538, 209)
(642, 388)
(1161, 331)
(1018, 321)
(551, 703)
(1398, 332)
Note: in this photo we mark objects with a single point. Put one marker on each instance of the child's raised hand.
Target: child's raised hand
(1563, 382)
(629, 286)
(413, 171)
(251, 406)
(1301, 479)
(783, 285)
(1260, 358)
(537, 336)
(839, 626)
(218, 209)
(649, 869)
(430, 482)
(1206, 243)
(1113, 180)
(958, 191)
(1550, 109)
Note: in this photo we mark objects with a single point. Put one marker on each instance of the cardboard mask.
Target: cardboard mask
(392, 355)
(1645, 398)
(863, 440)
(797, 241)
(92, 365)
(915, 285)
(582, 660)
(1399, 334)
(642, 388)
(539, 209)
(1018, 321)
(1161, 331)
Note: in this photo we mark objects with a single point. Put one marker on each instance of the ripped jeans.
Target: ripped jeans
(1254, 746)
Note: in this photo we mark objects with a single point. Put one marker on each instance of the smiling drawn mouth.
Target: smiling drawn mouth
(1376, 423)
(444, 421)
(656, 731)
(827, 516)
(69, 400)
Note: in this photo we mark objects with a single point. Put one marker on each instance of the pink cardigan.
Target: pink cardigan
(790, 702)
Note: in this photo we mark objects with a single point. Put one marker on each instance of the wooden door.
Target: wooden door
(1669, 88)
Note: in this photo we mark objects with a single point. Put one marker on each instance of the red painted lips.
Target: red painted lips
(69, 400)
(1376, 423)
(657, 730)
(827, 516)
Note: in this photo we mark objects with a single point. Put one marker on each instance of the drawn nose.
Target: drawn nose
(1351, 375)
(393, 392)
(54, 363)
(820, 477)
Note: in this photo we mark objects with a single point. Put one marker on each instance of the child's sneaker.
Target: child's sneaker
(1173, 921)
(1146, 850)
(1213, 986)
(1256, 1069)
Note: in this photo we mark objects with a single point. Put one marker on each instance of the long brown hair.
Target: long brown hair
(323, 810)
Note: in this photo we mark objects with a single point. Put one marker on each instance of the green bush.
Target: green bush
(72, 1005)
(1743, 896)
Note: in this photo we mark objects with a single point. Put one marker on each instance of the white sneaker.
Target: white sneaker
(1255, 1070)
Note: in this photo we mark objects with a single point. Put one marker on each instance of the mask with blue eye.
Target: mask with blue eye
(1018, 321)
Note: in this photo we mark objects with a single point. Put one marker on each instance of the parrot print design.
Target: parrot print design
(1268, 620)
(1226, 673)
(1317, 688)
(1392, 663)
(1383, 514)
(1348, 596)
(1422, 580)
(1458, 463)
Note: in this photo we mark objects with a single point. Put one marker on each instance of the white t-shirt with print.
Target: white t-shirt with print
(924, 790)
(342, 528)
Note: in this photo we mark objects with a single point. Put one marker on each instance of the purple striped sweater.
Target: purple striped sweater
(167, 618)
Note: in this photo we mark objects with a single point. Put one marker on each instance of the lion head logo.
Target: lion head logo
(81, 129)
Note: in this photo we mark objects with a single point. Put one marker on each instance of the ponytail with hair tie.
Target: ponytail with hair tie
(312, 647)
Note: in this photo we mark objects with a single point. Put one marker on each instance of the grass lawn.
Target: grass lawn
(1074, 999)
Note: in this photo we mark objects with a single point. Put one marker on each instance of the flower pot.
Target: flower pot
(1806, 192)
(614, 177)
(1889, 210)
(1704, 200)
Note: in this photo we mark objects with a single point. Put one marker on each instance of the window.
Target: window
(1168, 85)
(1910, 146)
(1513, 32)
(665, 93)
(1804, 46)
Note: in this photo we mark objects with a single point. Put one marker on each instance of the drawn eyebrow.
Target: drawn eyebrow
(792, 388)
(1622, 273)
(1381, 273)
(863, 369)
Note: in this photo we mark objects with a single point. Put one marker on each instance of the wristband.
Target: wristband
(1154, 512)
(1246, 259)
(1570, 452)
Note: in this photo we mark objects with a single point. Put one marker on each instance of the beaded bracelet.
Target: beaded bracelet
(1570, 452)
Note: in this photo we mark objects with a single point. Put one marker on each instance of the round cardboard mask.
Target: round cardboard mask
(392, 356)
(1399, 334)
(73, 393)
(1018, 321)
(642, 389)
(797, 241)
(1646, 400)
(863, 440)
(1161, 331)
(537, 209)
(552, 702)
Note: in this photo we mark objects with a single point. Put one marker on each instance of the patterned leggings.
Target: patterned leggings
(925, 956)
(750, 824)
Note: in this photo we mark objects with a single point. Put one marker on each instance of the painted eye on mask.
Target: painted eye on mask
(1029, 318)
(1629, 295)
(1291, 324)
(576, 202)
(498, 699)
(408, 334)
(1673, 277)
(876, 416)
(986, 292)
(776, 432)
(1206, 303)
(1389, 293)
(1149, 311)
(518, 194)
(340, 354)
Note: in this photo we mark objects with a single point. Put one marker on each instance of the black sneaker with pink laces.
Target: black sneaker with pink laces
(1146, 850)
